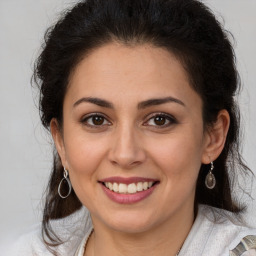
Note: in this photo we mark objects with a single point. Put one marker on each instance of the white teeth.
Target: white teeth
(110, 185)
(115, 187)
(145, 185)
(139, 186)
(130, 188)
(123, 188)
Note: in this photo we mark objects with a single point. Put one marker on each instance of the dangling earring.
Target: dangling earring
(210, 180)
(65, 174)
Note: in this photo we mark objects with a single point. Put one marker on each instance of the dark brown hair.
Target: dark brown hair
(186, 28)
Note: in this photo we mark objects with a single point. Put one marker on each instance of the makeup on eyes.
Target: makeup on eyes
(157, 120)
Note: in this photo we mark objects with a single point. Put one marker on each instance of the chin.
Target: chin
(130, 223)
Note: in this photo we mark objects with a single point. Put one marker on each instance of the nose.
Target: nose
(126, 150)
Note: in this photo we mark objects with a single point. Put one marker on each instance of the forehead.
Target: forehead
(116, 70)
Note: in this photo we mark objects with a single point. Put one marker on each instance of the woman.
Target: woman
(139, 99)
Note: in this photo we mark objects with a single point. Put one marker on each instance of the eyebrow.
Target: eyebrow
(159, 101)
(141, 105)
(96, 101)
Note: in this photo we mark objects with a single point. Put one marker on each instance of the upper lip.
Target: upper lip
(129, 180)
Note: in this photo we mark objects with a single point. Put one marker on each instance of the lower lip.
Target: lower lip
(128, 198)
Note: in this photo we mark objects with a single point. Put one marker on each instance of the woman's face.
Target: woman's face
(133, 124)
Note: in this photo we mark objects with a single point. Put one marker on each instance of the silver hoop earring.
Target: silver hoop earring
(65, 179)
(210, 180)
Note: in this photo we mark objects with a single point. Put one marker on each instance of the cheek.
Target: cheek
(178, 155)
(84, 155)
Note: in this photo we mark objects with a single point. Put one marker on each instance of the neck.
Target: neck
(164, 239)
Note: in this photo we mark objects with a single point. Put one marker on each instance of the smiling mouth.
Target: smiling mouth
(131, 188)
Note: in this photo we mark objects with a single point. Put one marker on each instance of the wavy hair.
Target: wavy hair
(186, 28)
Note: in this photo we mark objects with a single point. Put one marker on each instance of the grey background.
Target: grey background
(25, 148)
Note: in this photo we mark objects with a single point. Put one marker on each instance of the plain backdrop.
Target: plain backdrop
(25, 148)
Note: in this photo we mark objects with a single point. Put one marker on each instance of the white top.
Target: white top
(213, 234)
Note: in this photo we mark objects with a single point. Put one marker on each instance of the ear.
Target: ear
(215, 137)
(58, 140)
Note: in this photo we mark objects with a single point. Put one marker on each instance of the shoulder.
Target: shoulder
(217, 232)
(70, 230)
(234, 235)
(29, 244)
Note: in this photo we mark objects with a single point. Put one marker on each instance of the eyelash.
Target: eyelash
(167, 117)
(94, 115)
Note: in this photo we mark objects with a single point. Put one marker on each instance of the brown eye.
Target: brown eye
(97, 120)
(160, 120)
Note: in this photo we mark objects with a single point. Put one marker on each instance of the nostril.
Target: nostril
(126, 152)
